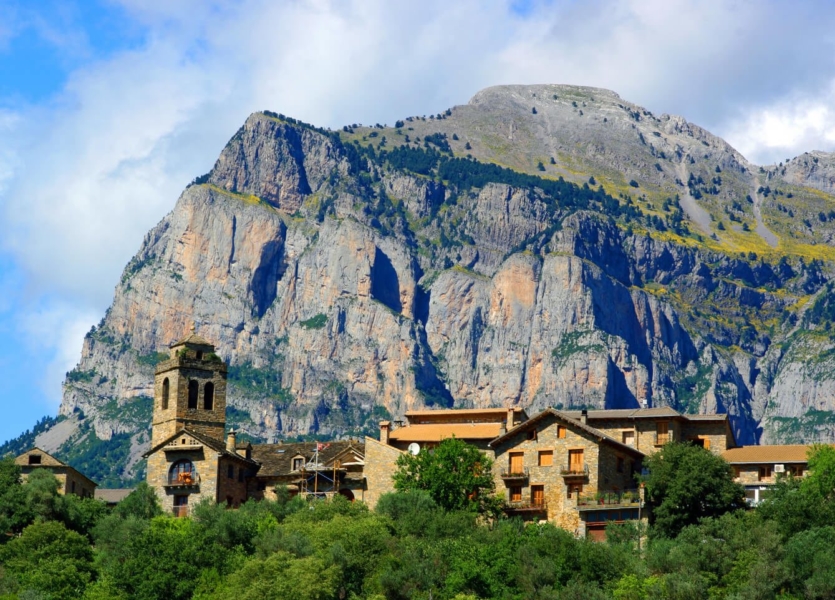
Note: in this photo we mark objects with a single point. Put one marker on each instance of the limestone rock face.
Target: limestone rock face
(342, 289)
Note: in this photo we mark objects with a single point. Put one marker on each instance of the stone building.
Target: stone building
(70, 481)
(758, 467)
(192, 457)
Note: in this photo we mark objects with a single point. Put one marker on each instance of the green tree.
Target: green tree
(14, 510)
(456, 474)
(687, 483)
(49, 558)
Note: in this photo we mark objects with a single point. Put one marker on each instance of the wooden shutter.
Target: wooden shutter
(517, 460)
(575, 461)
(537, 495)
(546, 458)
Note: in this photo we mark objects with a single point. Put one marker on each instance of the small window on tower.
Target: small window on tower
(166, 388)
(192, 393)
(209, 396)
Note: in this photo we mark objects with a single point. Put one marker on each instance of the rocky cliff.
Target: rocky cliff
(540, 246)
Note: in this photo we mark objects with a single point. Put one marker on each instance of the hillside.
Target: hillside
(539, 246)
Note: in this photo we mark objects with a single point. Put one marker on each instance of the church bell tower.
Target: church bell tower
(190, 391)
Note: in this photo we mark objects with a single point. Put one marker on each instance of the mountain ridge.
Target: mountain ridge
(353, 275)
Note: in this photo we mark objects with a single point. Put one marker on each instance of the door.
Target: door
(517, 461)
(575, 461)
(538, 495)
(181, 506)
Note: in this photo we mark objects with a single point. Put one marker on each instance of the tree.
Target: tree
(14, 510)
(456, 474)
(687, 483)
(540, 166)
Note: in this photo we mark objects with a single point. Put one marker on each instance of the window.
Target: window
(240, 475)
(229, 501)
(516, 493)
(561, 431)
(209, 396)
(532, 434)
(620, 464)
(166, 388)
(546, 458)
(517, 461)
(765, 472)
(230, 471)
(192, 393)
(576, 488)
(34, 459)
(72, 487)
(538, 495)
(575, 461)
(199, 355)
(795, 470)
(298, 464)
(662, 433)
(737, 471)
(182, 473)
(628, 438)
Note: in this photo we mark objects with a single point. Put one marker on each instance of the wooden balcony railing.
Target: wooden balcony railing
(625, 498)
(661, 438)
(181, 511)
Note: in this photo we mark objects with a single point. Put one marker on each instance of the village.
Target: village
(575, 469)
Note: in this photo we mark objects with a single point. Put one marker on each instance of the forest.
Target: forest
(703, 542)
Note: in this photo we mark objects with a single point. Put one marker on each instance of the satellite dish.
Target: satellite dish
(414, 449)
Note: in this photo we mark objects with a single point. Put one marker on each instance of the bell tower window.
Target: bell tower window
(192, 393)
(209, 396)
(165, 391)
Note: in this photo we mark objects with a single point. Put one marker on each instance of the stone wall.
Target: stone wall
(205, 463)
(380, 465)
(716, 434)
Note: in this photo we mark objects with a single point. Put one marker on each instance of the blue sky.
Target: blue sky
(109, 108)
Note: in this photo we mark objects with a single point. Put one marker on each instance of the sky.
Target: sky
(108, 108)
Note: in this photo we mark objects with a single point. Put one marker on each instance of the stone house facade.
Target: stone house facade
(757, 468)
(192, 457)
(70, 481)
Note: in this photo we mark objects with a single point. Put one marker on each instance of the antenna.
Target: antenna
(414, 449)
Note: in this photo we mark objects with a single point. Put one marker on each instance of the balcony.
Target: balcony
(575, 472)
(626, 498)
(529, 506)
(514, 475)
(183, 480)
(181, 511)
(174, 447)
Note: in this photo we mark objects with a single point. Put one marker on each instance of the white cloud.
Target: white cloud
(88, 173)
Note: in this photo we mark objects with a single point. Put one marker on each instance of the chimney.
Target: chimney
(584, 416)
(510, 417)
(385, 428)
(230, 442)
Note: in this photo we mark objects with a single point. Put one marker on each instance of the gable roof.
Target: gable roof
(192, 339)
(210, 443)
(643, 413)
(797, 453)
(561, 416)
(277, 459)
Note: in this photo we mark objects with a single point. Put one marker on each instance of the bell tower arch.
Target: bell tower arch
(189, 391)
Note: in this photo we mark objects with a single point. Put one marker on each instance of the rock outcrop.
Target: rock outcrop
(344, 284)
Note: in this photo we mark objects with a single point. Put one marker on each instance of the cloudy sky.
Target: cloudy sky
(108, 108)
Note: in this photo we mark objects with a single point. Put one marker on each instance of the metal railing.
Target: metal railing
(515, 473)
(526, 505)
(183, 480)
(575, 471)
(624, 498)
(661, 438)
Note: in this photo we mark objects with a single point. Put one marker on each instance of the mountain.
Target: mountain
(540, 246)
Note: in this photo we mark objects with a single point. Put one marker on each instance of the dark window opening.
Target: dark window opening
(34, 459)
(72, 487)
(229, 501)
(199, 355)
(166, 386)
(192, 393)
(620, 464)
(230, 472)
(209, 396)
(532, 434)
(182, 473)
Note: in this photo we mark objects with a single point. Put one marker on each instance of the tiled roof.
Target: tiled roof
(277, 459)
(642, 413)
(113, 496)
(216, 445)
(462, 412)
(569, 421)
(194, 340)
(767, 454)
(435, 432)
